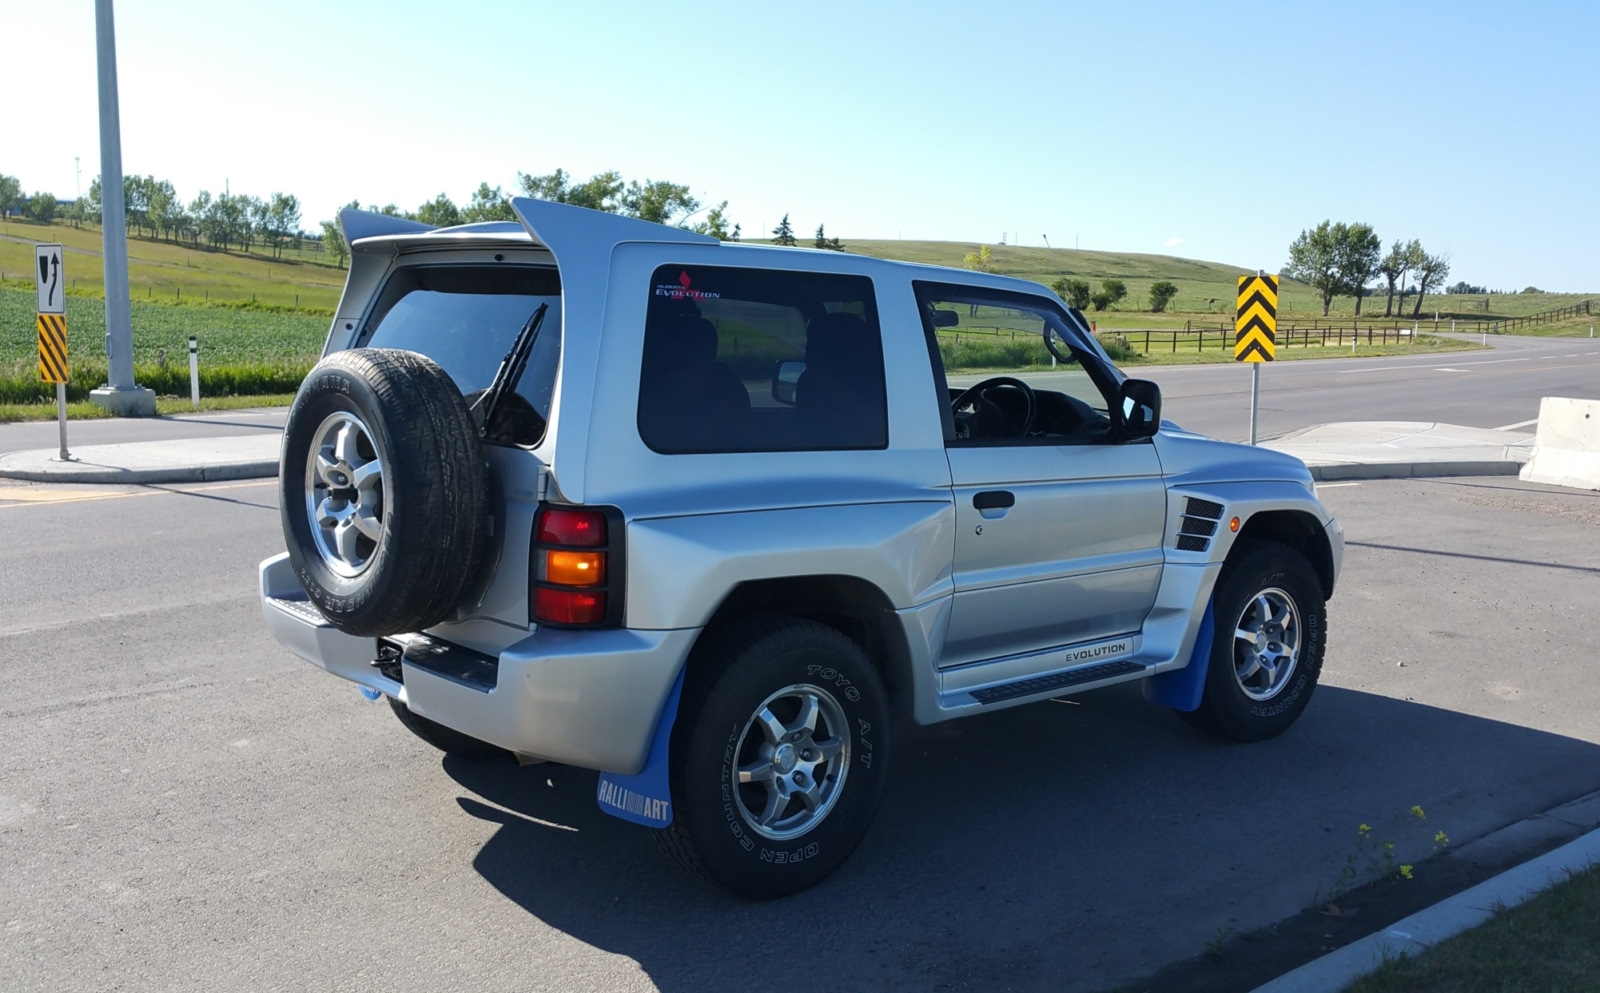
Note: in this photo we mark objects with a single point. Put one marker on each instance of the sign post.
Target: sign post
(1255, 332)
(52, 325)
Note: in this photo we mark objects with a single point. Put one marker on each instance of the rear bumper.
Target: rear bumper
(583, 698)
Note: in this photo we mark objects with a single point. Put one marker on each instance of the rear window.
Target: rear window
(465, 318)
(756, 360)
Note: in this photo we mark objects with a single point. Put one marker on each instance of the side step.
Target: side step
(1057, 681)
(471, 669)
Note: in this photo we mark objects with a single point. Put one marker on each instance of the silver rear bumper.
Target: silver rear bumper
(583, 698)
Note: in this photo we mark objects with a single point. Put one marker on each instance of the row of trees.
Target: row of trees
(153, 208)
(659, 201)
(1339, 259)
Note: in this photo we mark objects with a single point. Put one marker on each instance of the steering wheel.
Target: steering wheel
(974, 397)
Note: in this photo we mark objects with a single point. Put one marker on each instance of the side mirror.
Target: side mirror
(785, 377)
(946, 318)
(1139, 408)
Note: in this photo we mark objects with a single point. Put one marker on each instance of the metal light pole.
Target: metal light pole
(120, 395)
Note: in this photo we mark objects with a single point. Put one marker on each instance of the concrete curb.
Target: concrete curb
(1413, 470)
(1468, 909)
(165, 474)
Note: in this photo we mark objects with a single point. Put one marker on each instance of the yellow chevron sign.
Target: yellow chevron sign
(52, 348)
(1255, 323)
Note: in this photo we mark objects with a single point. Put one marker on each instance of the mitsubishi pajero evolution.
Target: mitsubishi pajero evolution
(709, 519)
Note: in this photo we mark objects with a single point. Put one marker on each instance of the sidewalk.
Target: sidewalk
(188, 460)
(1345, 450)
(1383, 449)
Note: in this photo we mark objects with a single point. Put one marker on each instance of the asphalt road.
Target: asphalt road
(185, 806)
(1485, 389)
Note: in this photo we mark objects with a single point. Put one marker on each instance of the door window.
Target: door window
(1063, 405)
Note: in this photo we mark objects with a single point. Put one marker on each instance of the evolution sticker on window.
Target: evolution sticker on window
(681, 290)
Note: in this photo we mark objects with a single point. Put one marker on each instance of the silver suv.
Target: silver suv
(709, 518)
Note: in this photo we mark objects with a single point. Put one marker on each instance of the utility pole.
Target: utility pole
(120, 396)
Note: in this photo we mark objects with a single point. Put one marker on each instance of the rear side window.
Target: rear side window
(757, 360)
(465, 317)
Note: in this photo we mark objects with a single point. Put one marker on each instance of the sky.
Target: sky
(1210, 131)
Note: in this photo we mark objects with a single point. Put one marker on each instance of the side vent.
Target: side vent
(1199, 524)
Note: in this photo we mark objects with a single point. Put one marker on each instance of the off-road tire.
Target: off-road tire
(731, 672)
(447, 740)
(435, 491)
(1225, 709)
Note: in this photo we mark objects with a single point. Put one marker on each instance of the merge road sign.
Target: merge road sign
(52, 320)
(1255, 322)
(52, 295)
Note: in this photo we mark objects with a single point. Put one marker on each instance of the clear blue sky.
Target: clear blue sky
(1204, 130)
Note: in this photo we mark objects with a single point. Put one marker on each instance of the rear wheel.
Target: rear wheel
(1266, 656)
(778, 756)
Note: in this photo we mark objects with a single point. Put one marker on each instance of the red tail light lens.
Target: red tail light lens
(574, 563)
(575, 607)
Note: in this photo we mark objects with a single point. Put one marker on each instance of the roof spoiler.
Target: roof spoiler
(358, 224)
(560, 226)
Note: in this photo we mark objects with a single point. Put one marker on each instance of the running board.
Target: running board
(1057, 681)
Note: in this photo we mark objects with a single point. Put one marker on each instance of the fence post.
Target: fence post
(194, 371)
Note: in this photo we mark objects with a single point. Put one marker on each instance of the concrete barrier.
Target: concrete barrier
(1566, 449)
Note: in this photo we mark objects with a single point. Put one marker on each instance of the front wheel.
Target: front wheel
(778, 756)
(1271, 622)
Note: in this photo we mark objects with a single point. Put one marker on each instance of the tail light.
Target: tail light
(576, 567)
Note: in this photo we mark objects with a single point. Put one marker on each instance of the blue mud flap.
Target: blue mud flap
(1181, 689)
(645, 798)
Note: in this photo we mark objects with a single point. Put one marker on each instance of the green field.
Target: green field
(160, 271)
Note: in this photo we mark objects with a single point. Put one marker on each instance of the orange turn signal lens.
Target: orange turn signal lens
(1233, 525)
(575, 568)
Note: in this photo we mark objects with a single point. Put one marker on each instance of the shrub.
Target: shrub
(1116, 289)
(1074, 291)
(1161, 294)
(1102, 300)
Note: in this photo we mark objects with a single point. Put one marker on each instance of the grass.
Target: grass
(1551, 944)
(165, 406)
(164, 272)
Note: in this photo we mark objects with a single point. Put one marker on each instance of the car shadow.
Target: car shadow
(1061, 846)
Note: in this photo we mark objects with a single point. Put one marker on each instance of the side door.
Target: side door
(1059, 523)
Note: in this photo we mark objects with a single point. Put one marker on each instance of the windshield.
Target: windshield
(466, 317)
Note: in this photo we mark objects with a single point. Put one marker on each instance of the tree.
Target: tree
(1433, 270)
(10, 195)
(1358, 252)
(281, 220)
(41, 207)
(488, 204)
(657, 201)
(602, 191)
(1161, 294)
(716, 224)
(1075, 292)
(1314, 260)
(981, 260)
(440, 212)
(1101, 300)
(333, 243)
(826, 243)
(1395, 265)
(1114, 289)
(783, 234)
(822, 238)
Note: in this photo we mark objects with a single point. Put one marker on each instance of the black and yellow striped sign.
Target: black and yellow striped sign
(53, 348)
(1255, 323)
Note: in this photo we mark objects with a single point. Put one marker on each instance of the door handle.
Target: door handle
(994, 500)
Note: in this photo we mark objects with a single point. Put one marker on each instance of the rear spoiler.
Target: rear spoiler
(358, 224)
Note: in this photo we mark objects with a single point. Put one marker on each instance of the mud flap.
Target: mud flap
(1181, 689)
(646, 798)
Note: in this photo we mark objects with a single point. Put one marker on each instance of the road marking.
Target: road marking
(1407, 368)
(1449, 370)
(1331, 486)
(1519, 424)
(30, 497)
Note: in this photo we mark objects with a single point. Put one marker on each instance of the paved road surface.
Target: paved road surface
(185, 806)
(1479, 389)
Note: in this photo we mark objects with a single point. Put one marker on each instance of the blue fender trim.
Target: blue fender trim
(1181, 689)
(646, 798)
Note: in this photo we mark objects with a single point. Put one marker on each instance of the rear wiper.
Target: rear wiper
(509, 373)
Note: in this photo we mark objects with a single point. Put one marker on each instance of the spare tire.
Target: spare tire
(383, 490)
